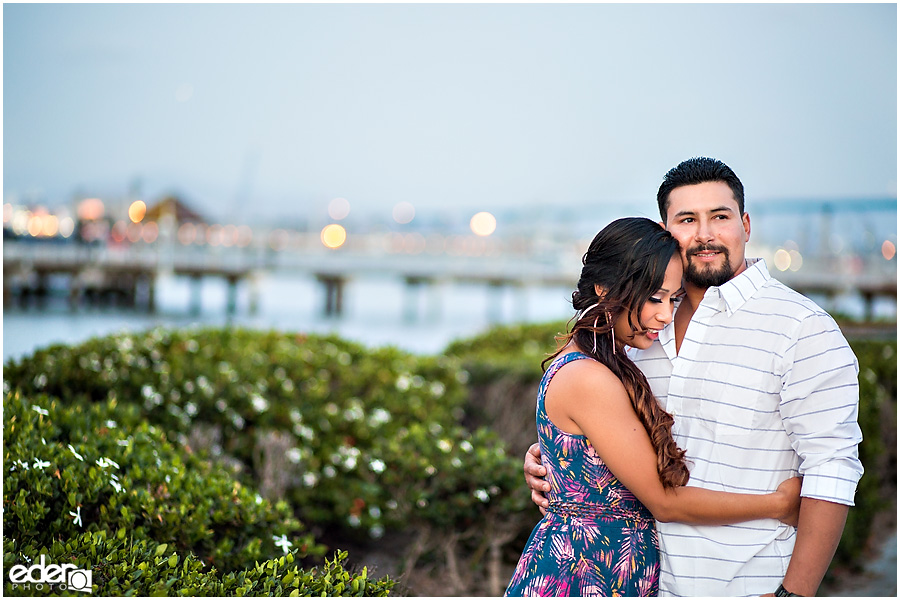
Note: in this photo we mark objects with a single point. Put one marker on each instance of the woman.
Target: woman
(612, 463)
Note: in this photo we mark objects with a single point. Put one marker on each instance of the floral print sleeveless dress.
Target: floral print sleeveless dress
(597, 539)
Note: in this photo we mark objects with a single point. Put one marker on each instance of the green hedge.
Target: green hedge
(94, 485)
(333, 429)
(222, 441)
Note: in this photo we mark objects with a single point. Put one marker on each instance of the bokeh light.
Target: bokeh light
(404, 212)
(90, 209)
(782, 259)
(136, 211)
(334, 236)
(888, 250)
(338, 209)
(796, 260)
(483, 224)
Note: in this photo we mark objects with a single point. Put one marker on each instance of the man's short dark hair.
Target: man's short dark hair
(694, 171)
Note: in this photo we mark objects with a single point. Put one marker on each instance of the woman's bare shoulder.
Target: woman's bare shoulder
(587, 377)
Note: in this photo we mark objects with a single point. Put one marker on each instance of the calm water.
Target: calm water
(377, 312)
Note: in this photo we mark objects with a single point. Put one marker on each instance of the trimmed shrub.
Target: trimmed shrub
(145, 568)
(69, 469)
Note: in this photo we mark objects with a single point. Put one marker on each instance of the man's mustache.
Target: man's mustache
(706, 248)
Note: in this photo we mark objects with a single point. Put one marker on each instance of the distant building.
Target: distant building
(171, 206)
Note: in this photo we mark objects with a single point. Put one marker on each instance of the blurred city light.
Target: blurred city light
(338, 209)
(90, 209)
(333, 236)
(7, 212)
(150, 232)
(187, 233)
(796, 260)
(782, 259)
(66, 226)
(404, 212)
(483, 224)
(136, 211)
(888, 250)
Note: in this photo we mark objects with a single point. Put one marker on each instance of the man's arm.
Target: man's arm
(819, 407)
(818, 533)
(534, 477)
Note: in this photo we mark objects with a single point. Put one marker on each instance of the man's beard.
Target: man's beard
(706, 276)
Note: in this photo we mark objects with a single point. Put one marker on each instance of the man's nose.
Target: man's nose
(704, 232)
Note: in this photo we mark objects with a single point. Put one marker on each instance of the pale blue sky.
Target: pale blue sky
(280, 107)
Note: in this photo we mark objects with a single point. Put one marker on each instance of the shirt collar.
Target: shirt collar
(737, 290)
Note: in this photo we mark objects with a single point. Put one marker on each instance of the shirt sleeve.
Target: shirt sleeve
(820, 407)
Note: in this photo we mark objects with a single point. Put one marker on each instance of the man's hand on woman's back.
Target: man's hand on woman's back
(534, 477)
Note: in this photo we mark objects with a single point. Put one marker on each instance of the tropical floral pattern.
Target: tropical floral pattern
(597, 539)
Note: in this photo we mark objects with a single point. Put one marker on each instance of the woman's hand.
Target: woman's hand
(534, 477)
(789, 494)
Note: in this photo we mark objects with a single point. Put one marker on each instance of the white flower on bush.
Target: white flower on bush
(105, 463)
(376, 531)
(482, 495)
(377, 465)
(78, 456)
(260, 404)
(353, 520)
(294, 455)
(282, 542)
(288, 386)
(456, 462)
(403, 382)
(331, 409)
(304, 432)
(238, 421)
(147, 391)
(116, 485)
(437, 389)
(430, 470)
(374, 512)
(310, 479)
(258, 499)
(445, 445)
(378, 417)
(40, 411)
(40, 381)
(40, 464)
(77, 516)
(190, 408)
(329, 471)
(110, 424)
(465, 446)
(354, 413)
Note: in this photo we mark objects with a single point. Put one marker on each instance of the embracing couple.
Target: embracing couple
(679, 413)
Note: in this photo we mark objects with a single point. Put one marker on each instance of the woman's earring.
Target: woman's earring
(612, 336)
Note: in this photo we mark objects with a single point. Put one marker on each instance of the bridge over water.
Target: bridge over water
(129, 273)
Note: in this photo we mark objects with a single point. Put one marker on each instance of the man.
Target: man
(762, 385)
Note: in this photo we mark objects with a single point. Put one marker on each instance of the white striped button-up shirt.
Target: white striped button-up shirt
(764, 387)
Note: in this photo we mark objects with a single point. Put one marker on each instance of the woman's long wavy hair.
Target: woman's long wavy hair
(628, 261)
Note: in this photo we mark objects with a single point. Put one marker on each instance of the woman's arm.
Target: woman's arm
(588, 399)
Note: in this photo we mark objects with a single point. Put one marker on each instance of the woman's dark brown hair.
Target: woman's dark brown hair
(628, 260)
